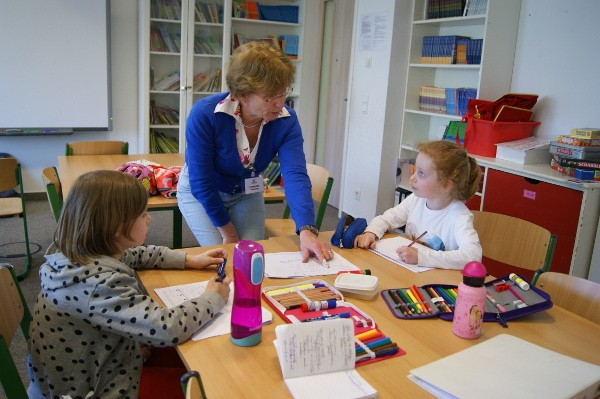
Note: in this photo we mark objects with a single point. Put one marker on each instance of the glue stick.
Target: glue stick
(519, 281)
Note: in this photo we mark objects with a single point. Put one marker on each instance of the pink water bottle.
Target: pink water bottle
(248, 272)
(470, 302)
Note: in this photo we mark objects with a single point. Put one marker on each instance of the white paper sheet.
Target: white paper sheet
(289, 264)
(387, 249)
(220, 325)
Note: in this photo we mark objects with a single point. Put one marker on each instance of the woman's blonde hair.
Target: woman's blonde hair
(100, 204)
(259, 68)
(452, 163)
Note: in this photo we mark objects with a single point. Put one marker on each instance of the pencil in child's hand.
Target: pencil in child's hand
(417, 239)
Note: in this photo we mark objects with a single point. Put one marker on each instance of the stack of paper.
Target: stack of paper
(508, 367)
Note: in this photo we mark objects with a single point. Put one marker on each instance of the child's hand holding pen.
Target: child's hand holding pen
(200, 261)
(410, 255)
(220, 283)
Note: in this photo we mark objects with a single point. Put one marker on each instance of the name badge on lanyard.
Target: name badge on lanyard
(254, 184)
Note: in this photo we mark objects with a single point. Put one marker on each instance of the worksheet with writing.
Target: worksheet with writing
(289, 264)
(387, 249)
(317, 360)
(221, 324)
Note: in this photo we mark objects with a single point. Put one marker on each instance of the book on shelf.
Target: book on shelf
(432, 99)
(279, 13)
(239, 39)
(444, 8)
(209, 13)
(160, 143)
(525, 369)
(252, 10)
(527, 151)
(440, 49)
(475, 7)
(474, 49)
(207, 83)
(455, 132)
(166, 9)
(163, 115)
(318, 360)
(207, 44)
(289, 45)
(168, 83)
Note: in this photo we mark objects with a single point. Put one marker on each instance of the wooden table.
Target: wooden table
(231, 371)
(71, 167)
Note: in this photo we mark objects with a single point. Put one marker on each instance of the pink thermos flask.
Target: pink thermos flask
(248, 272)
(470, 302)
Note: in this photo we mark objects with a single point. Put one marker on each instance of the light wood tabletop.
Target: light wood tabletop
(228, 370)
(71, 167)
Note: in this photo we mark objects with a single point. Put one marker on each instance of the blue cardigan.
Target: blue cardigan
(214, 164)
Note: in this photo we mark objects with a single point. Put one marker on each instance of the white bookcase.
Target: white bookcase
(154, 65)
(492, 78)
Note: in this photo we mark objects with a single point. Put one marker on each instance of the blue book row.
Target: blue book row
(440, 49)
(457, 99)
(474, 47)
(451, 50)
(278, 13)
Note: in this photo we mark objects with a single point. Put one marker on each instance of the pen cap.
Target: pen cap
(474, 274)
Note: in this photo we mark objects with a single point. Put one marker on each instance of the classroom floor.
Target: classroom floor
(41, 225)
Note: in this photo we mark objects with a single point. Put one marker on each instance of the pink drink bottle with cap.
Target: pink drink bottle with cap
(246, 314)
(470, 302)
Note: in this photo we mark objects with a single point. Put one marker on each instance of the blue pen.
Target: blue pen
(221, 271)
(344, 315)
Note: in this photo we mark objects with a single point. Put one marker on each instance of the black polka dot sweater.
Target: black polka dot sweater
(89, 321)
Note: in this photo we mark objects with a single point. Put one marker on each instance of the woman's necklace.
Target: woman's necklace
(251, 126)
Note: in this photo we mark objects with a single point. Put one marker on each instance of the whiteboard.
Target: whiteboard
(55, 64)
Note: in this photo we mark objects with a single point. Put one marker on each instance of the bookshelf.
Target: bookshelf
(497, 26)
(175, 75)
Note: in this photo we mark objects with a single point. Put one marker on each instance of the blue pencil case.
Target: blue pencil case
(508, 301)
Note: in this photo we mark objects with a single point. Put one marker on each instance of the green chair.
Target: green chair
(10, 178)
(97, 148)
(321, 182)
(13, 312)
(53, 190)
(192, 387)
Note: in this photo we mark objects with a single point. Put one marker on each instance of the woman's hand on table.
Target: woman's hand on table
(310, 245)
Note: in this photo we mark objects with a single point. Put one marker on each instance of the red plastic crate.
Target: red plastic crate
(482, 135)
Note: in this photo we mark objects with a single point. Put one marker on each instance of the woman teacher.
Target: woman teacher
(231, 138)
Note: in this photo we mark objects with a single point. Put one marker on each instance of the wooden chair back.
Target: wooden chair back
(97, 148)
(53, 190)
(576, 294)
(13, 313)
(321, 182)
(8, 176)
(515, 242)
(11, 178)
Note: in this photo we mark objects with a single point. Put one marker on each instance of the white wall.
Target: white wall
(376, 83)
(557, 57)
(38, 152)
